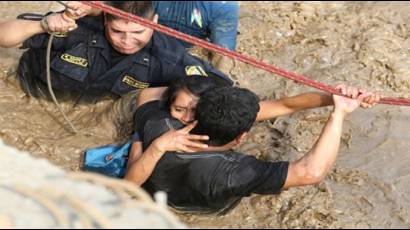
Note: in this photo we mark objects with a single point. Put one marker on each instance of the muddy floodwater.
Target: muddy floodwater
(360, 43)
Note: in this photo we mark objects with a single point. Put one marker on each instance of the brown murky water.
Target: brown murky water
(363, 43)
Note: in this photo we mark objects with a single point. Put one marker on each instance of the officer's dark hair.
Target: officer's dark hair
(143, 9)
(194, 84)
(224, 113)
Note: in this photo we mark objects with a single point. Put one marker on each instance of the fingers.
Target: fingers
(352, 92)
(60, 23)
(372, 99)
(75, 14)
(342, 88)
(348, 91)
(183, 148)
(68, 23)
(177, 140)
(185, 145)
(189, 127)
(360, 99)
(196, 137)
(369, 99)
(193, 144)
(188, 142)
(191, 140)
(76, 10)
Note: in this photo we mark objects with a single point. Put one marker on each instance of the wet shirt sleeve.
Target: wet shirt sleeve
(224, 24)
(255, 176)
(141, 116)
(36, 42)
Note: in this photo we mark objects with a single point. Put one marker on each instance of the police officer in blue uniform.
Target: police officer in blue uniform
(215, 21)
(99, 52)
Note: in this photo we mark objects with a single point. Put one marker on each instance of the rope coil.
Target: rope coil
(49, 85)
(232, 54)
(58, 204)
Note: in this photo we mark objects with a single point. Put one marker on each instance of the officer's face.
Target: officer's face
(184, 107)
(127, 37)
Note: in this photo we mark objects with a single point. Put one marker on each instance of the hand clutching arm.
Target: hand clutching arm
(14, 32)
(173, 140)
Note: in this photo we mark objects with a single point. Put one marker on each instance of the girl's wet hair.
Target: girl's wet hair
(195, 84)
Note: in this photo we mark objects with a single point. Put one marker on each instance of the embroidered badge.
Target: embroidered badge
(134, 83)
(75, 60)
(195, 70)
(196, 16)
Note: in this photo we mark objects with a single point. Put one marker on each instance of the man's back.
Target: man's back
(214, 182)
(206, 181)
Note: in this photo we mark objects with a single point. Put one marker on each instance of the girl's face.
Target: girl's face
(184, 106)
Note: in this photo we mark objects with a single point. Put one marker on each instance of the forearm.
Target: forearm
(94, 12)
(320, 159)
(309, 101)
(314, 166)
(150, 94)
(135, 153)
(141, 169)
(15, 32)
(274, 108)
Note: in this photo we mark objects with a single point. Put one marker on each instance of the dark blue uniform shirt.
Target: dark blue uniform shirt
(216, 21)
(81, 61)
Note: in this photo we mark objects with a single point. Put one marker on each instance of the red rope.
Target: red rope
(226, 52)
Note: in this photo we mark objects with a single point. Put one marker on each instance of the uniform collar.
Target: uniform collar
(143, 55)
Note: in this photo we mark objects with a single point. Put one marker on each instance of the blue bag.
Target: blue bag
(110, 160)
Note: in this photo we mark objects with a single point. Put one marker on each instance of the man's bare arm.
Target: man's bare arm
(150, 94)
(141, 167)
(13, 33)
(314, 166)
(274, 108)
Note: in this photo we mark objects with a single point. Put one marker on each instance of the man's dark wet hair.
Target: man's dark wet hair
(224, 113)
(143, 9)
(195, 84)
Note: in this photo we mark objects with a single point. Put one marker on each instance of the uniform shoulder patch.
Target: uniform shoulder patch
(74, 60)
(195, 70)
(134, 83)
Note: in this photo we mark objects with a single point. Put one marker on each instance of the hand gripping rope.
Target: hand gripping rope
(229, 53)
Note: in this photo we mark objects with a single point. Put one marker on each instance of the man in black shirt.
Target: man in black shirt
(215, 178)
